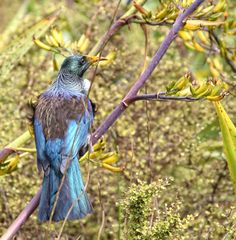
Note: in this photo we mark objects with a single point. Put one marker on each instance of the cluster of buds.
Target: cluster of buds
(167, 12)
(213, 90)
(197, 31)
(81, 45)
(199, 42)
(203, 42)
(55, 43)
(176, 86)
(99, 157)
(215, 67)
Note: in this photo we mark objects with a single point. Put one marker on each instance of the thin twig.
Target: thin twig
(72, 206)
(160, 97)
(103, 213)
(148, 130)
(103, 46)
(110, 33)
(161, 23)
(225, 55)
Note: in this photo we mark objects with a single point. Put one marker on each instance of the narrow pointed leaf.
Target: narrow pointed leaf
(229, 139)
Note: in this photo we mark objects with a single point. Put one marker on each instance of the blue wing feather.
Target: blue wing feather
(40, 145)
(76, 137)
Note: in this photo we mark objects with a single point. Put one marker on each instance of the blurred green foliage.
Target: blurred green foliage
(147, 216)
(155, 139)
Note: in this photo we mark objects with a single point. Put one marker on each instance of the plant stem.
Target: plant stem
(9, 149)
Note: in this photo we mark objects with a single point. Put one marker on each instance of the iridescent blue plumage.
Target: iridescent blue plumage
(62, 122)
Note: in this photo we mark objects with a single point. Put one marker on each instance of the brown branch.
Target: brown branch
(24, 215)
(160, 97)
(4, 153)
(107, 36)
(148, 71)
(162, 23)
(108, 122)
(9, 149)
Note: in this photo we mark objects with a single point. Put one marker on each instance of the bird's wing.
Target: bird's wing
(61, 130)
(76, 135)
(40, 141)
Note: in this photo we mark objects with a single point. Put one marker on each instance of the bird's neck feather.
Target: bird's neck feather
(68, 82)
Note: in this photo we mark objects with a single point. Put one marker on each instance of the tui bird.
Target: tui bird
(62, 120)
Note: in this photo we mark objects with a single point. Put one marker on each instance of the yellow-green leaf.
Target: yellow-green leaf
(229, 139)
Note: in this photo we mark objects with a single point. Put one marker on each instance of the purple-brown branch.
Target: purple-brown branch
(160, 97)
(120, 108)
(24, 215)
(109, 34)
(148, 71)
(4, 153)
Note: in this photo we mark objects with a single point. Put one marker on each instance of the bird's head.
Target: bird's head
(78, 64)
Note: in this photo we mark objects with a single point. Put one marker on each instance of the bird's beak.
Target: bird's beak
(94, 59)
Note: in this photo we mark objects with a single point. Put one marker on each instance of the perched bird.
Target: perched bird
(62, 120)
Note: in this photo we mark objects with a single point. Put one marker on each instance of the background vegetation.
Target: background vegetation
(175, 183)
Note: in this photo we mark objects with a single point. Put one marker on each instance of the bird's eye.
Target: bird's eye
(82, 61)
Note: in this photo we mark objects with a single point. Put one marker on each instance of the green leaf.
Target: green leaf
(20, 46)
(229, 139)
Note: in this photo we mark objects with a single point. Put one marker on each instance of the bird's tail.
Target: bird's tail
(72, 203)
